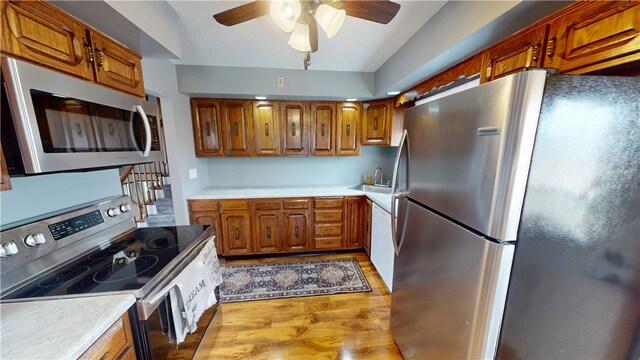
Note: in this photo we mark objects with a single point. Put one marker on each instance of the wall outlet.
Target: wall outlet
(280, 81)
(193, 173)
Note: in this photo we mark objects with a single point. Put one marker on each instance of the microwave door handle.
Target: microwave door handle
(147, 130)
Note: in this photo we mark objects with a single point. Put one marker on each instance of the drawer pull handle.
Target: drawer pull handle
(111, 129)
(207, 128)
(236, 128)
(297, 231)
(266, 129)
(375, 123)
(551, 48)
(536, 51)
(104, 356)
(348, 129)
(78, 129)
(268, 231)
(90, 58)
(237, 231)
(100, 57)
(293, 129)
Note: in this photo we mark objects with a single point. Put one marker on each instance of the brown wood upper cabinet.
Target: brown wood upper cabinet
(266, 126)
(295, 128)
(376, 122)
(237, 125)
(323, 128)
(41, 33)
(348, 129)
(206, 127)
(595, 36)
(523, 51)
(116, 66)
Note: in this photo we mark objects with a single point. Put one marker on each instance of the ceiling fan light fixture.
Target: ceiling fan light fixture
(330, 19)
(285, 13)
(299, 39)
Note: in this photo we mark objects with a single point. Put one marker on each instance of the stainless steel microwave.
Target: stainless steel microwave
(53, 122)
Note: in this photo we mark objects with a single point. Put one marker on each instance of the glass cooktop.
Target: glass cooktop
(128, 263)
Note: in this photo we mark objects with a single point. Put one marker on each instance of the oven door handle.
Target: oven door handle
(146, 307)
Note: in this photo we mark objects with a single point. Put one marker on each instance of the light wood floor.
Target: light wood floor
(343, 326)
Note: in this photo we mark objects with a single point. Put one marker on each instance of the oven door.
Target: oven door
(62, 123)
(153, 332)
(154, 314)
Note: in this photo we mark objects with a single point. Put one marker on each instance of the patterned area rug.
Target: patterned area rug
(291, 279)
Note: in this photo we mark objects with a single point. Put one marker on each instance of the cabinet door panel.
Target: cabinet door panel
(209, 218)
(354, 233)
(295, 120)
(323, 128)
(41, 33)
(116, 66)
(267, 232)
(515, 55)
(601, 34)
(266, 128)
(297, 231)
(238, 129)
(348, 129)
(206, 127)
(376, 123)
(236, 230)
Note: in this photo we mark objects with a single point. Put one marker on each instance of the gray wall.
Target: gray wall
(291, 171)
(217, 81)
(41, 194)
(160, 80)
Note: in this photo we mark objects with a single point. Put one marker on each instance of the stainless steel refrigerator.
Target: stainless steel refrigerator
(460, 179)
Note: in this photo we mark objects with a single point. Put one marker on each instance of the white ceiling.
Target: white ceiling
(360, 45)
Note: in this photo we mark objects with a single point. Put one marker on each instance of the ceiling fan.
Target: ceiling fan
(302, 17)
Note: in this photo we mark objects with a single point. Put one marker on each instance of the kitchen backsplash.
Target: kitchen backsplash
(292, 171)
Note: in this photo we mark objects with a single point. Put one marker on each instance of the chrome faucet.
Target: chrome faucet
(375, 176)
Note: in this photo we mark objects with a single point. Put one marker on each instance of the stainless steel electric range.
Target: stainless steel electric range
(95, 250)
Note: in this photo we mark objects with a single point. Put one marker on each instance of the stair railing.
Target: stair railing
(140, 182)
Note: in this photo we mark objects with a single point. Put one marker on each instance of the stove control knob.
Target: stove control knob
(113, 212)
(125, 208)
(8, 249)
(33, 240)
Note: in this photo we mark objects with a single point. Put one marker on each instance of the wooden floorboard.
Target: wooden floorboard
(343, 326)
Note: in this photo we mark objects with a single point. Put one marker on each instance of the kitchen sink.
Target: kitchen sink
(383, 189)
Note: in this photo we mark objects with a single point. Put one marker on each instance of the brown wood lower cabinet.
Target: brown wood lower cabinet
(268, 228)
(271, 226)
(115, 343)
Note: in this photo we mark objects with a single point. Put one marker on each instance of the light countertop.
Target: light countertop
(57, 329)
(219, 193)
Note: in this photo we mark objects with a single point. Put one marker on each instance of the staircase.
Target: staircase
(149, 188)
(164, 214)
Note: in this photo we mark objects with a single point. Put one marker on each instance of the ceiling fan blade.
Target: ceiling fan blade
(380, 11)
(243, 13)
(313, 34)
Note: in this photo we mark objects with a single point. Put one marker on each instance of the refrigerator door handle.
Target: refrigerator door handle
(404, 140)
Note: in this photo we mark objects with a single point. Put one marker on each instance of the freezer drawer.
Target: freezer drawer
(449, 288)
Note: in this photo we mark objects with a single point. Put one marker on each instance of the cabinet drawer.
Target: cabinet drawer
(203, 205)
(267, 204)
(328, 243)
(114, 342)
(226, 205)
(328, 229)
(328, 203)
(328, 215)
(295, 203)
